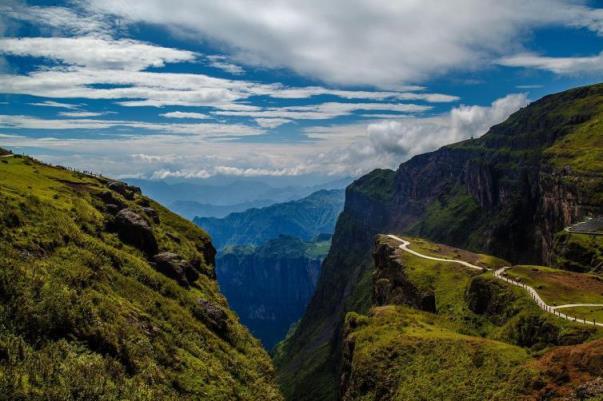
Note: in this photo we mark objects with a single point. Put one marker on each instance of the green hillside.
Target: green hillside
(483, 339)
(106, 295)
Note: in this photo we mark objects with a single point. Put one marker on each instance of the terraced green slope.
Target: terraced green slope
(106, 295)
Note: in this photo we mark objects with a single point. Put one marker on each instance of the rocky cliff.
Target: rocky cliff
(269, 286)
(507, 193)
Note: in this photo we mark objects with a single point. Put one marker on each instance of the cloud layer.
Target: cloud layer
(376, 42)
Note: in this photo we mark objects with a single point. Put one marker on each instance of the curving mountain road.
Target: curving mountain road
(499, 274)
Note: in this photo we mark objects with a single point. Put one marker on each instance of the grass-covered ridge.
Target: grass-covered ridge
(485, 339)
(86, 313)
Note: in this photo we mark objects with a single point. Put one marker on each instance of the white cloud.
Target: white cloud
(374, 42)
(198, 129)
(96, 53)
(333, 150)
(557, 65)
(387, 143)
(222, 63)
(182, 114)
(80, 114)
(61, 19)
(324, 110)
(271, 122)
(176, 89)
(50, 103)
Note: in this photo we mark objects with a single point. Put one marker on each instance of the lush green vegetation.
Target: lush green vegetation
(578, 252)
(560, 287)
(86, 316)
(404, 354)
(508, 193)
(482, 343)
(378, 184)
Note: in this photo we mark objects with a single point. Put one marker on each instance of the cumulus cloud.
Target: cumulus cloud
(386, 143)
(557, 65)
(414, 136)
(375, 42)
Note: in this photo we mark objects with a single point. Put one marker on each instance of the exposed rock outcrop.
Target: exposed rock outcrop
(487, 296)
(506, 193)
(125, 190)
(152, 214)
(133, 229)
(390, 284)
(175, 267)
(213, 316)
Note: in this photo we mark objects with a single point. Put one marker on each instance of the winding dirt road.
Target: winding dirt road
(499, 274)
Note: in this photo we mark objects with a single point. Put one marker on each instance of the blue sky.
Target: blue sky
(194, 89)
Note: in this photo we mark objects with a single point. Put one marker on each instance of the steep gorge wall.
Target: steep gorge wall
(501, 194)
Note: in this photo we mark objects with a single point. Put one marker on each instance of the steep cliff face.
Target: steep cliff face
(507, 193)
(391, 286)
(106, 295)
(270, 286)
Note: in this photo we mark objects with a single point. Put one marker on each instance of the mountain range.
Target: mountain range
(473, 272)
(509, 193)
(304, 219)
(215, 198)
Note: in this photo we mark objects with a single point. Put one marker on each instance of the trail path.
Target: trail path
(499, 274)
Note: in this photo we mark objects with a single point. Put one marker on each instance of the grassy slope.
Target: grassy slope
(559, 287)
(84, 316)
(405, 354)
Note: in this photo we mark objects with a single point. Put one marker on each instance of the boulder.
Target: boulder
(213, 315)
(152, 214)
(125, 190)
(134, 230)
(176, 267)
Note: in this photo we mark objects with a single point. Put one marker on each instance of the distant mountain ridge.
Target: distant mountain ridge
(305, 219)
(218, 199)
(192, 209)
